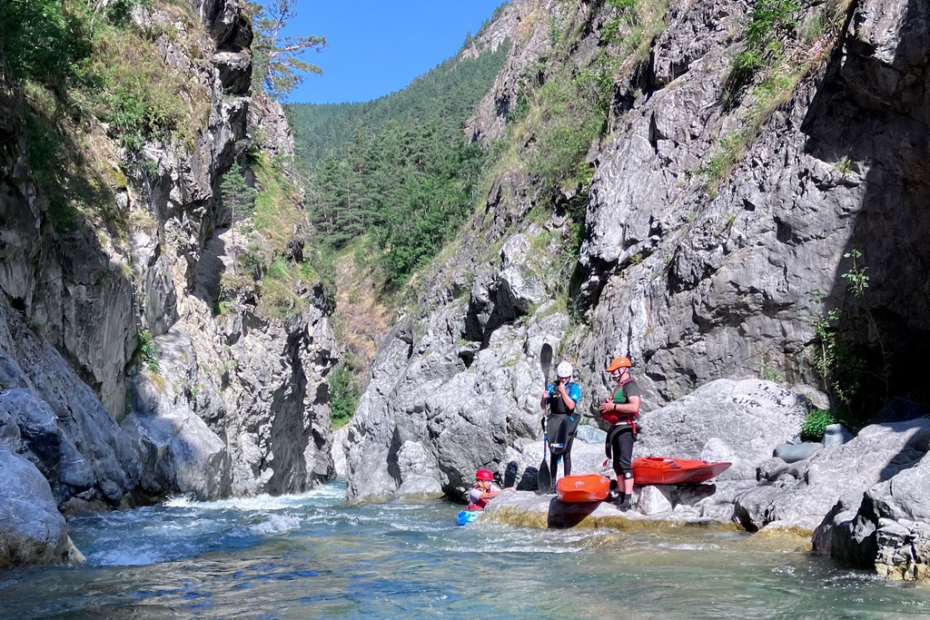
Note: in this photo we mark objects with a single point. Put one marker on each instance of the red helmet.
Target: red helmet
(484, 474)
(617, 363)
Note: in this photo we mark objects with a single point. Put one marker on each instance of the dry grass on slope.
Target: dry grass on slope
(362, 318)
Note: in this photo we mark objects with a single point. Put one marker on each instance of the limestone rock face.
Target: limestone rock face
(737, 421)
(800, 494)
(698, 287)
(697, 275)
(58, 423)
(529, 44)
(433, 421)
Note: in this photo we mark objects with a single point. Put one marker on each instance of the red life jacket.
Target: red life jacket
(616, 417)
(480, 504)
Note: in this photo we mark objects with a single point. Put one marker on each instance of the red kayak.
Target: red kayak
(583, 488)
(665, 470)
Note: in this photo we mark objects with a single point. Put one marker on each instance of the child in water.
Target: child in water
(484, 490)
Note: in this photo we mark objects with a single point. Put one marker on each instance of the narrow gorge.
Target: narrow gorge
(732, 193)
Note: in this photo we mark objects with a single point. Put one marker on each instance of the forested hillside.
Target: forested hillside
(398, 167)
(388, 183)
(449, 91)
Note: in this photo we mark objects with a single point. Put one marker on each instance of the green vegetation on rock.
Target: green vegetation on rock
(816, 423)
(84, 67)
(271, 218)
(345, 390)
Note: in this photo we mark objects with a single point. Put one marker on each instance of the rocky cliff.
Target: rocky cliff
(155, 342)
(751, 206)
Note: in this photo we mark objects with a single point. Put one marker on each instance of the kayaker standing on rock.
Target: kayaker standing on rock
(621, 410)
(561, 398)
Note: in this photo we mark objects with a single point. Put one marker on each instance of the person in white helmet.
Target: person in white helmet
(561, 399)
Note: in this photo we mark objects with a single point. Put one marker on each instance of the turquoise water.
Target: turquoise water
(314, 557)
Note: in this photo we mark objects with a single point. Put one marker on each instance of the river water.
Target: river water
(313, 556)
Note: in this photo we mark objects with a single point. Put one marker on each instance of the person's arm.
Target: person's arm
(569, 403)
(493, 494)
(631, 406)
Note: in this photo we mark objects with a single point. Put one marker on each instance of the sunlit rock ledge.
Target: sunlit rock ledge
(526, 509)
(547, 511)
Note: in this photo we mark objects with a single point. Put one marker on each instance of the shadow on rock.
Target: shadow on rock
(563, 516)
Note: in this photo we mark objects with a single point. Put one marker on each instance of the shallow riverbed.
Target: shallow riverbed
(312, 556)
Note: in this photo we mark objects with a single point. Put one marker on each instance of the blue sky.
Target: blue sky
(376, 48)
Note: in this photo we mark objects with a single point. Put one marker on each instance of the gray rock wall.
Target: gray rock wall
(699, 287)
(696, 277)
(231, 402)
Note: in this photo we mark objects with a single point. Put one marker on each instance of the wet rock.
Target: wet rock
(32, 531)
(885, 524)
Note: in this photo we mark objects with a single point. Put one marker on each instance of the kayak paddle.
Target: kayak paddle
(544, 479)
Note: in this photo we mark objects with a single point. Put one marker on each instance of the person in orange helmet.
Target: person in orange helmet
(484, 490)
(621, 410)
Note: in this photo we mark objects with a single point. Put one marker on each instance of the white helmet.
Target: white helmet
(564, 370)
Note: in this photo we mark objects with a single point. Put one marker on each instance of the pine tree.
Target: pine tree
(277, 65)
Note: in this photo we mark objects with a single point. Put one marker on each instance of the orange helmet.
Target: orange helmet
(617, 363)
(484, 474)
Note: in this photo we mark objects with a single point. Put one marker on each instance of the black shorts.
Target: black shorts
(620, 440)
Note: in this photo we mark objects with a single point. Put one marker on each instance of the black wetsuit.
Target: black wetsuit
(561, 426)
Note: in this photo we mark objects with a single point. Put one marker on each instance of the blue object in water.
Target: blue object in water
(466, 516)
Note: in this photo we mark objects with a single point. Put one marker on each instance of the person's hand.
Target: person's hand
(509, 489)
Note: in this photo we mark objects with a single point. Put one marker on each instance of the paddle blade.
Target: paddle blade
(545, 361)
(543, 478)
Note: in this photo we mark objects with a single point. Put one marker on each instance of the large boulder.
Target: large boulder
(883, 522)
(180, 454)
(63, 428)
(799, 495)
(32, 531)
(725, 420)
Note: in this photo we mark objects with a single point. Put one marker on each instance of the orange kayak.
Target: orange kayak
(583, 488)
(665, 470)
